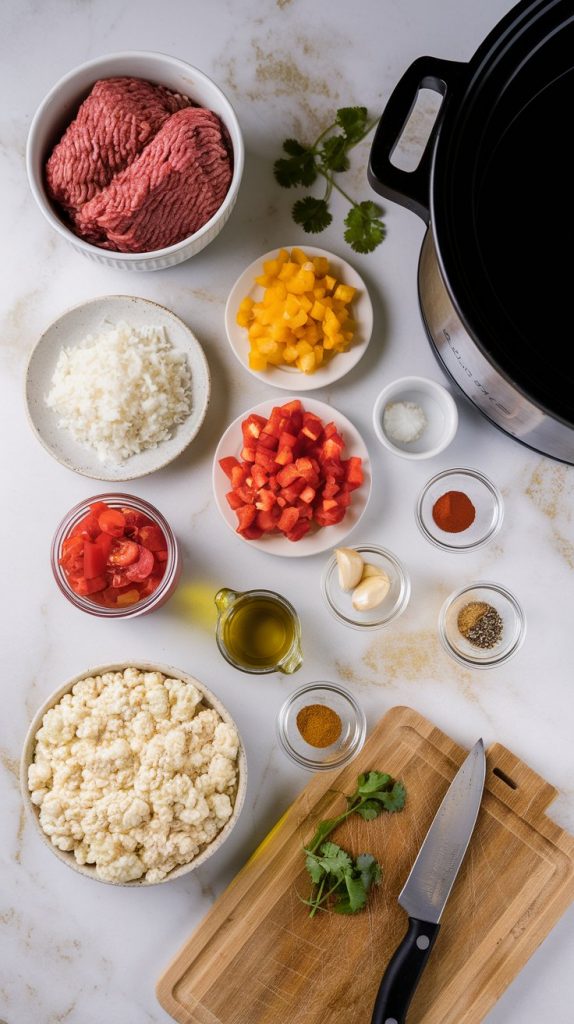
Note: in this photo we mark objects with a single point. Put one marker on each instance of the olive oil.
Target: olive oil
(259, 632)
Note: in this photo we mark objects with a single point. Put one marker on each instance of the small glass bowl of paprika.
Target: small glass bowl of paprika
(115, 556)
(459, 510)
(321, 726)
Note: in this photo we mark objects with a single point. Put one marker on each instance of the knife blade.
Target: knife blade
(428, 886)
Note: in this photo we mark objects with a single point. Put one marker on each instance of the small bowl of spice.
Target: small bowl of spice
(482, 625)
(321, 726)
(459, 509)
(415, 417)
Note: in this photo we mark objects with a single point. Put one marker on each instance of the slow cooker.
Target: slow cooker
(495, 186)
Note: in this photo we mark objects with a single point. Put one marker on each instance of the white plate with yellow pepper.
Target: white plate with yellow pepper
(299, 318)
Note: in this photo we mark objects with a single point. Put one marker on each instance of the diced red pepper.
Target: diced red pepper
(292, 475)
(307, 494)
(354, 472)
(291, 407)
(265, 520)
(246, 516)
(233, 500)
(284, 456)
(288, 518)
(312, 426)
(287, 475)
(269, 441)
(248, 453)
(260, 476)
(228, 464)
(265, 500)
(302, 526)
(252, 427)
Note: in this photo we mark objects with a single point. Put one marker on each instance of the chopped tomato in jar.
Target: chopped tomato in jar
(115, 557)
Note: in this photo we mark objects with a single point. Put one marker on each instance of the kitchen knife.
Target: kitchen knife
(427, 889)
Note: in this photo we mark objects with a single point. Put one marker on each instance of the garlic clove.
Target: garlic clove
(350, 566)
(371, 592)
(371, 570)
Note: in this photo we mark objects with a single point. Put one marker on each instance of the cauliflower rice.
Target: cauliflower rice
(121, 391)
(133, 774)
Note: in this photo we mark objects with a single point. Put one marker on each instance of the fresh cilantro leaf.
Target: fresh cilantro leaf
(294, 148)
(314, 867)
(353, 899)
(334, 860)
(369, 810)
(334, 153)
(370, 870)
(395, 800)
(365, 230)
(353, 121)
(371, 782)
(339, 882)
(299, 169)
(312, 214)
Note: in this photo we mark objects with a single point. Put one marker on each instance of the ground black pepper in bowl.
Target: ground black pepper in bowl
(480, 624)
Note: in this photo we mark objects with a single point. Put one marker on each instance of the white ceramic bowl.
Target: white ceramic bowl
(59, 108)
(289, 377)
(438, 406)
(68, 330)
(209, 699)
(316, 540)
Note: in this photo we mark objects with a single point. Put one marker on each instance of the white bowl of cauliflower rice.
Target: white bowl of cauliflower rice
(134, 773)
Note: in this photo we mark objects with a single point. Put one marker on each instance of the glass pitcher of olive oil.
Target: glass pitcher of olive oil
(258, 631)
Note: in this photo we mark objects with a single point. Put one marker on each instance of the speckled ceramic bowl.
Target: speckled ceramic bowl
(59, 108)
(210, 701)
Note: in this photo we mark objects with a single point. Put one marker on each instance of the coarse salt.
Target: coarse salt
(121, 391)
(404, 421)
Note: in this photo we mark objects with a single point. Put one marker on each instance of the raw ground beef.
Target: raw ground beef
(168, 192)
(111, 128)
(140, 167)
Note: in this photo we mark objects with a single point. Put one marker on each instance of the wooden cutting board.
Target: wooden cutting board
(258, 959)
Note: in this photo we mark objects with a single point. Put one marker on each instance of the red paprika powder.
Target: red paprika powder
(453, 512)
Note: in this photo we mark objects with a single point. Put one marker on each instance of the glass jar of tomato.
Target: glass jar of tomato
(115, 556)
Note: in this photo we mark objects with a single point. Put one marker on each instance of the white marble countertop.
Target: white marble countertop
(77, 952)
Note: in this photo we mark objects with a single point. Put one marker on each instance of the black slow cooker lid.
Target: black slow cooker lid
(502, 201)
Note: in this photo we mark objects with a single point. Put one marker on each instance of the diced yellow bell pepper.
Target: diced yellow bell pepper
(307, 362)
(299, 256)
(257, 361)
(321, 264)
(302, 317)
(345, 293)
(290, 353)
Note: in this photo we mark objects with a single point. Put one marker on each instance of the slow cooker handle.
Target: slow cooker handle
(410, 188)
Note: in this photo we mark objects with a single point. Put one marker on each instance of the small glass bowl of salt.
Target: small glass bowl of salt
(415, 417)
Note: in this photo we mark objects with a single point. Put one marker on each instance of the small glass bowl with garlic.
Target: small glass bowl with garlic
(365, 587)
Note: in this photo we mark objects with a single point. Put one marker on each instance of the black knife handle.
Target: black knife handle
(403, 973)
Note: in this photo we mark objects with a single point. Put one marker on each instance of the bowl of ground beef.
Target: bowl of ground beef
(136, 159)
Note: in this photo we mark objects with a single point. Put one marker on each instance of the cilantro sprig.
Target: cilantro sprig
(339, 881)
(327, 156)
